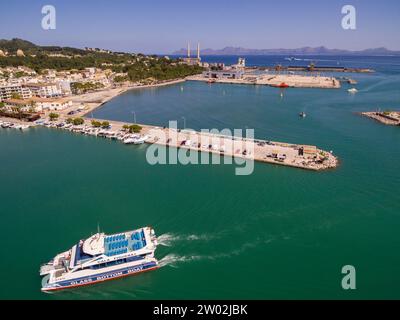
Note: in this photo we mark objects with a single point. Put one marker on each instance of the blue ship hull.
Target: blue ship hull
(115, 274)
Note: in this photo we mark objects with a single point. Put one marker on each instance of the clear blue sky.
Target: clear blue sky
(162, 26)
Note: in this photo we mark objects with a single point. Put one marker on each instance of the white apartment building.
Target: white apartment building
(7, 91)
(44, 90)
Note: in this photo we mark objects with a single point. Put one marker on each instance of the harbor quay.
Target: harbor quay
(217, 143)
(276, 80)
(233, 146)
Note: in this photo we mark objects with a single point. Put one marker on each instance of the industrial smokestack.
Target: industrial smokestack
(198, 51)
(188, 50)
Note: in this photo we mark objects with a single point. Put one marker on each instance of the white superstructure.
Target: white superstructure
(101, 257)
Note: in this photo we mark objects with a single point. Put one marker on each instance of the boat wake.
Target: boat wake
(173, 259)
(168, 239)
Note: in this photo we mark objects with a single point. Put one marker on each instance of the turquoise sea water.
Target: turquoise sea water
(278, 233)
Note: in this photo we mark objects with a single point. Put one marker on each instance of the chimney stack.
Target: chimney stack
(198, 51)
(188, 50)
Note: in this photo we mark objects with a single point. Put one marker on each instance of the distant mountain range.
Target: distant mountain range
(31, 48)
(237, 51)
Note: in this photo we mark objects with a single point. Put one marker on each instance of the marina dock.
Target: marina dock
(277, 80)
(292, 155)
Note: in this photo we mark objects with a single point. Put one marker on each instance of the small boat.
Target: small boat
(101, 257)
(141, 140)
(282, 85)
(352, 90)
(136, 139)
(302, 114)
(129, 140)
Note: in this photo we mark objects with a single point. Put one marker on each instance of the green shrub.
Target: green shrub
(135, 128)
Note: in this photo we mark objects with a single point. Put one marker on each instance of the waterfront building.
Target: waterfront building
(44, 90)
(39, 104)
(241, 64)
(7, 91)
(220, 71)
(224, 74)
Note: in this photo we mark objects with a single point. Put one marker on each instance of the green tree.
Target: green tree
(119, 79)
(105, 124)
(96, 124)
(53, 116)
(78, 121)
(135, 128)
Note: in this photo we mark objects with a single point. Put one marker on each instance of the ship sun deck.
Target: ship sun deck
(111, 247)
(123, 243)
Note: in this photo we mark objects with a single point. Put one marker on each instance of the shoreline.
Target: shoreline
(96, 99)
(390, 118)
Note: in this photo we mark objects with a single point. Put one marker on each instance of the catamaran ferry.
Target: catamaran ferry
(101, 257)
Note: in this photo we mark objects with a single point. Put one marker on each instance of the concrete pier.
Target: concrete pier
(293, 155)
(388, 117)
(276, 80)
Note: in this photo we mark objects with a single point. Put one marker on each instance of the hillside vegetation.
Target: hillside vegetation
(137, 66)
